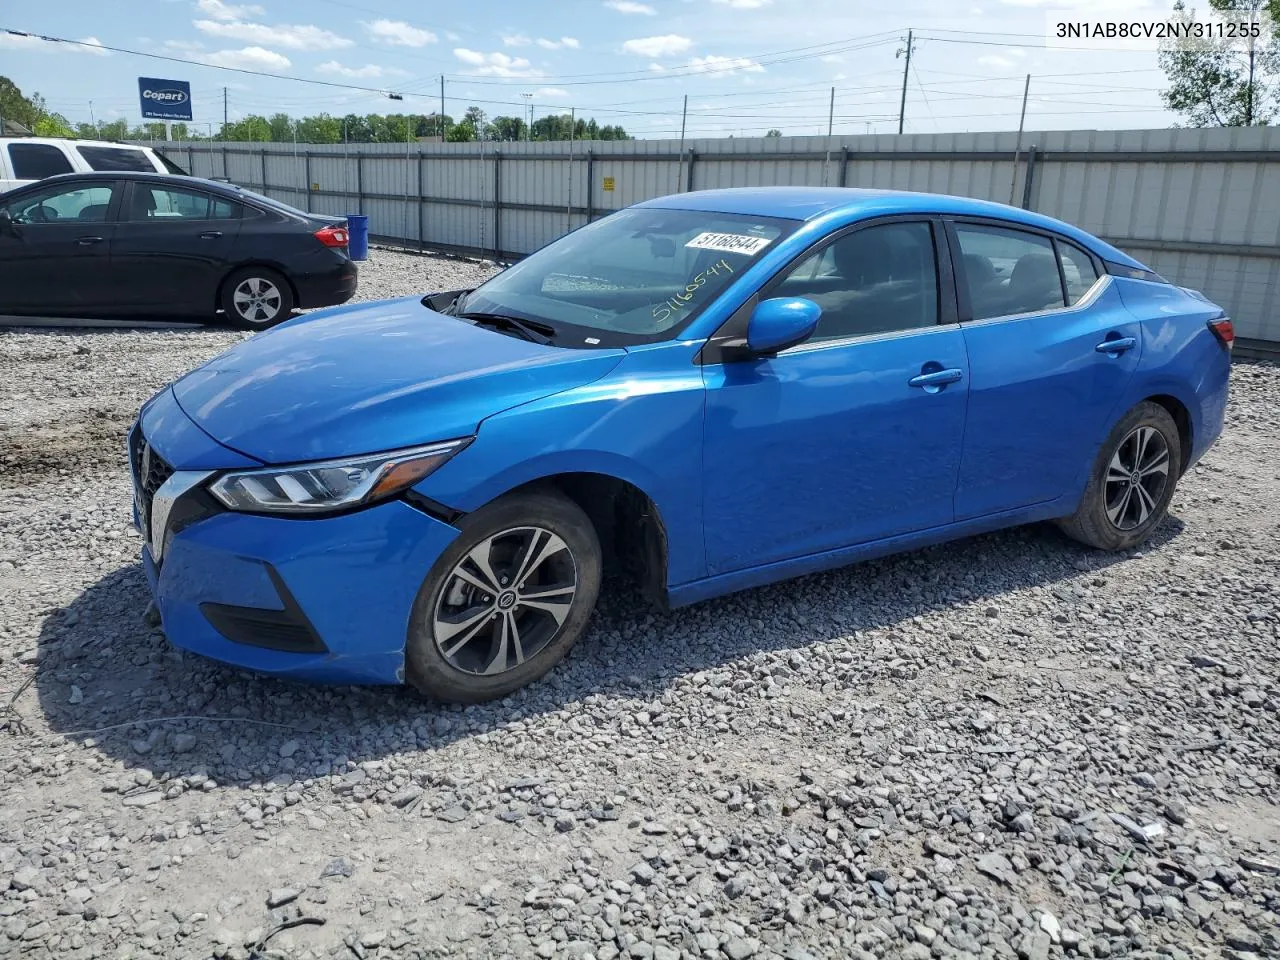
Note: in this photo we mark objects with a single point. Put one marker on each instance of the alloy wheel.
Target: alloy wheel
(1136, 477)
(505, 600)
(257, 300)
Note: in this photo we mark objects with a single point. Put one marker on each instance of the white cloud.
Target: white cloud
(664, 46)
(248, 58)
(630, 6)
(90, 45)
(495, 64)
(743, 4)
(996, 60)
(723, 66)
(451, 36)
(569, 42)
(516, 40)
(370, 71)
(300, 36)
(543, 92)
(657, 68)
(229, 11)
(832, 58)
(397, 33)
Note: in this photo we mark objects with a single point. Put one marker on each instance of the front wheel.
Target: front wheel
(1132, 481)
(255, 298)
(506, 601)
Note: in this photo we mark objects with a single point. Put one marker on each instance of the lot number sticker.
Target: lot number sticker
(730, 242)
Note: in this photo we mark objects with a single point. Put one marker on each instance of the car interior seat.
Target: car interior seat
(1034, 284)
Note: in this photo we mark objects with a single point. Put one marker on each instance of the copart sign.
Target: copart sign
(164, 99)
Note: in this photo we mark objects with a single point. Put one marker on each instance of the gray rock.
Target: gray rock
(739, 948)
(281, 896)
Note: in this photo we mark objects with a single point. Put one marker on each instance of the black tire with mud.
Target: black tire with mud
(1090, 524)
(426, 667)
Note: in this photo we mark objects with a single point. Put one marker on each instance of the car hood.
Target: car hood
(372, 377)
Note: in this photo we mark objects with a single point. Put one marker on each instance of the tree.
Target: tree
(774, 133)
(1225, 82)
(281, 127)
(508, 129)
(463, 132)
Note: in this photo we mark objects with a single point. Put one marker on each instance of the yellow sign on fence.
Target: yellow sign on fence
(608, 184)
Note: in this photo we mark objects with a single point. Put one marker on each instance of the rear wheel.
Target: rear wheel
(1132, 481)
(506, 601)
(255, 298)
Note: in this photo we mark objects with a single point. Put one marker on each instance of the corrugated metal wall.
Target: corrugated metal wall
(1201, 207)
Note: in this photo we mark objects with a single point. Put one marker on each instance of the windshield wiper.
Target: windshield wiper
(529, 331)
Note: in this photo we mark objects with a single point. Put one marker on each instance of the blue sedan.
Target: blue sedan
(701, 393)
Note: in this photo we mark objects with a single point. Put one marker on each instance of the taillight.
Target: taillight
(332, 236)
(1223, 330)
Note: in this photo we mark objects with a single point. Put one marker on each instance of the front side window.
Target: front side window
(634, 276)
(875, 280)
(35, 161)
(1077, 271)
(1008, 271)
(170, 203)
(62, 204)
(116, 159)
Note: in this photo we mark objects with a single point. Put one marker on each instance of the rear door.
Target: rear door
(172, 247)
(55, 260)
(1051, 349)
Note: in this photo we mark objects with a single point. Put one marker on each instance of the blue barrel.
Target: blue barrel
(357, 236)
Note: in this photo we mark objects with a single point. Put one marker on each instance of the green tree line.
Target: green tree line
(32, 113)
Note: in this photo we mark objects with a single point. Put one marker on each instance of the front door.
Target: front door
(54, 259)
(854, 435)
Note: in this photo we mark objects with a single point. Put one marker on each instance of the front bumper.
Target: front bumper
(346, 584)
(323, 599)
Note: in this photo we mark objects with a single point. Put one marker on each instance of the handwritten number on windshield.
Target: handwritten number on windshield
(673, 305)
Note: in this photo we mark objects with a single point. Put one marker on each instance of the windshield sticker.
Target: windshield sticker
(729, 242)
(673, 305)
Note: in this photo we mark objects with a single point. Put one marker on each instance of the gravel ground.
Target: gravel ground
(1004, 747)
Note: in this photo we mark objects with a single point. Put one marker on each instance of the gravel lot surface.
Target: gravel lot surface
(1006, 747)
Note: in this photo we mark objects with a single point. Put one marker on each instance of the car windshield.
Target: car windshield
(635, 276)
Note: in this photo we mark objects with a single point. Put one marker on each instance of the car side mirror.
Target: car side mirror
(779, 323)
(7, 225)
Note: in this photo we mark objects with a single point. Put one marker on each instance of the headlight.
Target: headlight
(331, 484)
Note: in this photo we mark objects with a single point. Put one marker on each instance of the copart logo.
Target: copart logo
(165, 96)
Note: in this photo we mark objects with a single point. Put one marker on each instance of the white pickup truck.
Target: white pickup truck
(26, 159)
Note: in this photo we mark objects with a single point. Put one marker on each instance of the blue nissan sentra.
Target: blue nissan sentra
(703, 393)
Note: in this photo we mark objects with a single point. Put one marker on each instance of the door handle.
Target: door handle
(935, 381)
(211, 235)
(1117, 345)
(88, 241)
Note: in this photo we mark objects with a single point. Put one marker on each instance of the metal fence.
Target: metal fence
(1201, 207)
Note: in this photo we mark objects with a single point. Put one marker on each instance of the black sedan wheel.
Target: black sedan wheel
(1132, 481)
(256, 298)
(506, 601)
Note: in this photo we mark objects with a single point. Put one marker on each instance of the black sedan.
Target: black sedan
(100, 244)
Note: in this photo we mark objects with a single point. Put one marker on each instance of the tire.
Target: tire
(255, 298)
(1107, 520)
(452, 665)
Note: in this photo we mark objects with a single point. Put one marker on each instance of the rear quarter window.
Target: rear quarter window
(116, 159)
(35, 161)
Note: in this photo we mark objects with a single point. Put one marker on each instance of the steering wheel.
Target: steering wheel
(42, 213)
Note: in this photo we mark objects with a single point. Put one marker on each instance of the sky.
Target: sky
(746, 66)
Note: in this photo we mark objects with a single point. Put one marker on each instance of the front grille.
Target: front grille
(150, 471)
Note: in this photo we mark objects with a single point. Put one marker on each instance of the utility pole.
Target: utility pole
(684, 115)
(224, 113)
(443, 132)
(568, 210)
(1013, 181)
(91, 117)
(831, 117)
(902, 106)
(528, 131)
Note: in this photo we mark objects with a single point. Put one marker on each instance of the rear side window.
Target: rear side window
(157, 203)
(35, 161)
(875, 280)
(169, 165)
(116, 158)
(1008, 271)
(1077, 271)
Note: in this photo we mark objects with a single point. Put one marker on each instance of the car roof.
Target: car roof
(856, 203)
(203, 184)
(77, 141)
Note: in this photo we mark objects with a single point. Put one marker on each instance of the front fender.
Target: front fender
(641, 424)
